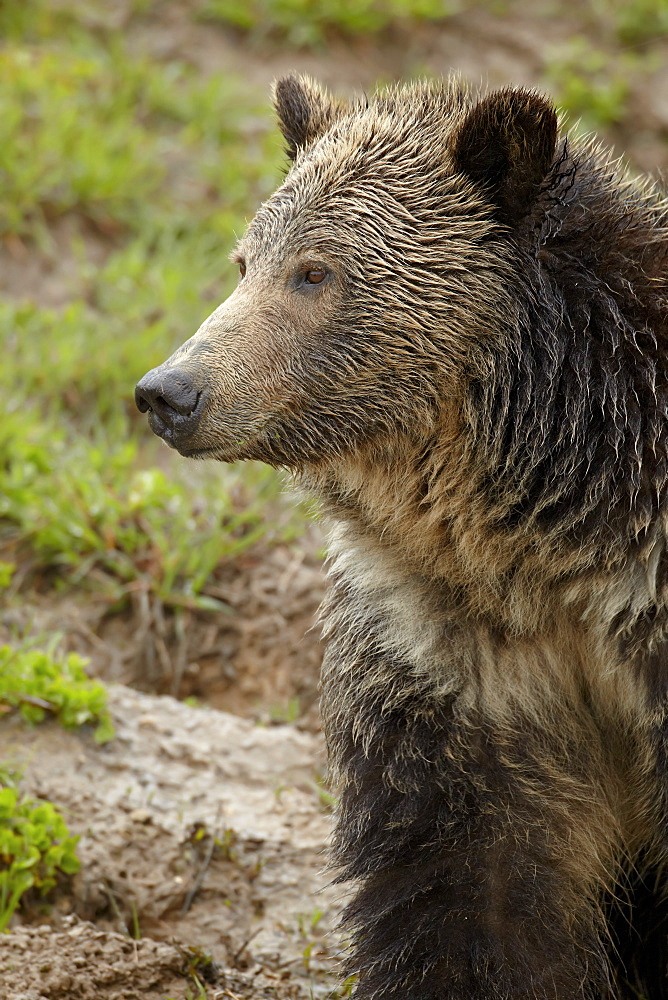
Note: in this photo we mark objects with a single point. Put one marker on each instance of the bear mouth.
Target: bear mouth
(211, 452)
(167, 432)
(185, 446)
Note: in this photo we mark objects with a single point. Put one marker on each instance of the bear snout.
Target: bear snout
(173, 401)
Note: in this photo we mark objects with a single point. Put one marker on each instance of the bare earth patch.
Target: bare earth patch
(83, 963)
(196, 827)
(260, 659)
(56, 272)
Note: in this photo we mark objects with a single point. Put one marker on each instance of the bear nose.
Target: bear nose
(167, 393)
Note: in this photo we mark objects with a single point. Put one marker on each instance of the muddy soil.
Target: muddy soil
(259, 659)
(198, 829)
(83, 962)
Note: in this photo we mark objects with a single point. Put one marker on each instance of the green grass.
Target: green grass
(35, 846)
(92, 516)
(70, 140)
(309, 22)
(110, 136)
(615, 50)
(37, 684)
(160, 168)
(591, 84)
(639, 21)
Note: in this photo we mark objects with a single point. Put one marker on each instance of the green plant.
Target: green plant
(200, 966)
(133, 146)
(590, 83)
(326, 799)
(54, 113)
(6, 573)
(35, 846)
(288, 712)
(91, 513)
(638, 21)
(36, 683)
(345, 989)
(98, 132)
(304, 22)
(307, 922)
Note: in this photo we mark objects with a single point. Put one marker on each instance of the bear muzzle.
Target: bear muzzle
(173, 402)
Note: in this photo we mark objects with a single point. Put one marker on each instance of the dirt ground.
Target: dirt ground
(260, 659)
(199, 830)
(204, 829)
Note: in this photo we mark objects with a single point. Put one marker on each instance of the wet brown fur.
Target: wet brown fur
(478, 396)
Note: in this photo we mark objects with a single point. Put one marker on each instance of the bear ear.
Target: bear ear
(305, 111)
(506, 145)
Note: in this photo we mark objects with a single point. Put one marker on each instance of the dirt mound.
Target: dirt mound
(196, 827)
(84, 963)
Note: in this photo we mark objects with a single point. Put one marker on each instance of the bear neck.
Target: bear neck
(420, 518)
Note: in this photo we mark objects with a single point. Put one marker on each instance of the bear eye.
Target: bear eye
(242, 269)
(315, 275)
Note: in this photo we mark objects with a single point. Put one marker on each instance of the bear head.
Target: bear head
(370, 281)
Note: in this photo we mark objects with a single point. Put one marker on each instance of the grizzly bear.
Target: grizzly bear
(451, 326)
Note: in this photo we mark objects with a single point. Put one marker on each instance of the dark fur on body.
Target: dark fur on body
(478, 395)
